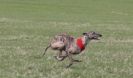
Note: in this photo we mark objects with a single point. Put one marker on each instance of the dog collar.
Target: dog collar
(80, 44)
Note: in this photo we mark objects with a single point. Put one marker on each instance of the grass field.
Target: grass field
(27, 25)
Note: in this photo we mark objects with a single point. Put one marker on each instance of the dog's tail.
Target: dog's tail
(46, 49)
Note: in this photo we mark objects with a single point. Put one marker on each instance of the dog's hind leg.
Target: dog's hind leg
(60, 56)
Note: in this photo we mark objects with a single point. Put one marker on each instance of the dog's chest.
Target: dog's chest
(80, 44)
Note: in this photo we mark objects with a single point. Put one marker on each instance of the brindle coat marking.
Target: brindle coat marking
(59, 42)
(69, 45)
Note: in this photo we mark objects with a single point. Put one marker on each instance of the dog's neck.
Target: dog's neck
(85, 40)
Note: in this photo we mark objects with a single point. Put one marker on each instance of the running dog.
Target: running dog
(71, 46)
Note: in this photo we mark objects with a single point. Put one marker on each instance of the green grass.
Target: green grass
(26, 27)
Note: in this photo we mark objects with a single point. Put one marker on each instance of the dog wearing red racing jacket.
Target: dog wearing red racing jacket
(77, 45)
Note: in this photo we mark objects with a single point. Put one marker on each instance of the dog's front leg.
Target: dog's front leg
(71, 60)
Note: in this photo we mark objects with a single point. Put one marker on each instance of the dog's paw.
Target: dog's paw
(68, 66)
(58, 58)
(77, 61)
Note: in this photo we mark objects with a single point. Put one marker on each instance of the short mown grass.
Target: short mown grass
(26, 26)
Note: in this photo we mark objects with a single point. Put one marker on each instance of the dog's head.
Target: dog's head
(92, 35)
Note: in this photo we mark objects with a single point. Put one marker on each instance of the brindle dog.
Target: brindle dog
(71, 46)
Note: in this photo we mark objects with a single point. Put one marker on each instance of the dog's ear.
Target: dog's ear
(84, 33)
